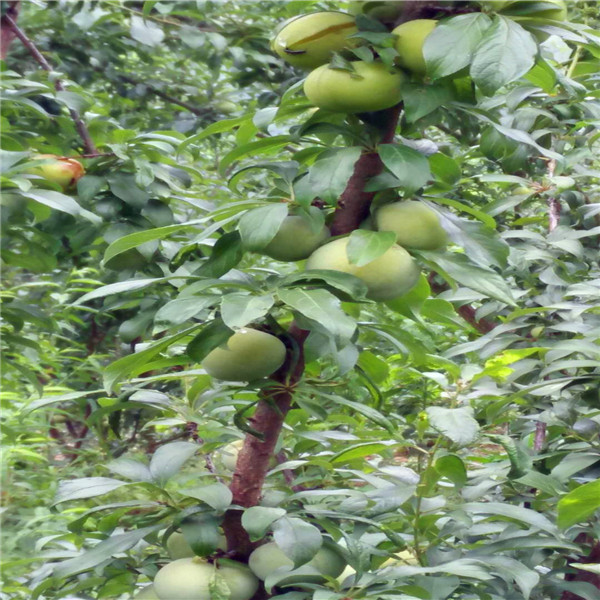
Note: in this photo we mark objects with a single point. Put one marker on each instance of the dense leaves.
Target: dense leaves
(454, 430)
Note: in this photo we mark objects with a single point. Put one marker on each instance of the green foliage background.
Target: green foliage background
(460, 422)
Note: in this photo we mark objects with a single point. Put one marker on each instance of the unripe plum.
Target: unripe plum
(147, 593)
(308, 41)
(388, 276)
(63, 171)
(226, 457)
(247, 355)
(295, 240)
(178, 547)
(409, 45)
(414, 223)
(372, 87)
(269, 557)
(189, 579)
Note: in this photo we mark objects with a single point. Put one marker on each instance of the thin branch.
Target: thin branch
(6, 32)
(84, 134)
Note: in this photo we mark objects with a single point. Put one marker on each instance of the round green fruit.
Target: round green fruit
(226, 457)
(269, 557)
(189, 579)
(177, 546)
(308, 41)
(371, 87)
(414, 223)
(388, 276)
(63, 171)
(295, 240)
(409, 45)
(226, 107)
(247, 355)
(147, 593)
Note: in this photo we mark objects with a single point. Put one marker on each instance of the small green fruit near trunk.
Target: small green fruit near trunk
(370, 87)
(269, 557)
(409, 45)
(147, 593)
(178, 547)
(225, 458)
(308, 41)
(247, 355)
(190, 578)
(414, 223)
(387, 277)
(295, 240)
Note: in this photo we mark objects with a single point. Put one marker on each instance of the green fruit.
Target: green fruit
(226, 107)
(388, 276)
(178, 547)
(147, 593)
(269, 557)
(295, 240)
(371, 87)
(247, 355)
(308, 41)
(190, 578)
(414, 223)
(63, 171)
(226, 457)
(409, 45)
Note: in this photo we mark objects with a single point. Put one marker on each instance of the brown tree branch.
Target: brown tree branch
(354, 203)
(7, 35)
(255, 455)
(84, 134)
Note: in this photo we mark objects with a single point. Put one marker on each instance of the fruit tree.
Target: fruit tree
(301, 300)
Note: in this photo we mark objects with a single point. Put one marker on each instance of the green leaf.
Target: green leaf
(201, 532)
(146, 32)
(506, 52)
(444, 168)
(452, 467)
(169, 458)
(367, 412)
(579, 504)
(116, 288)
(509, 511)
(348, 287)
(88, 186)
(322, 307)
(60, 202)
(123, 186)
(217, 495)
(421, 100)
(180, 310)
(263, 146)
(459, 268)
(329, 175)
(237, 310)
(226, 254)
(365, 246)
(86, 487)
(298, 539)
(259, 226)
(410, 167)
(458, 424)
(256, 520)
(212, 335)
(358, 451)
(450, 46)
(135, 363)
(115, 544)
(130, 469)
